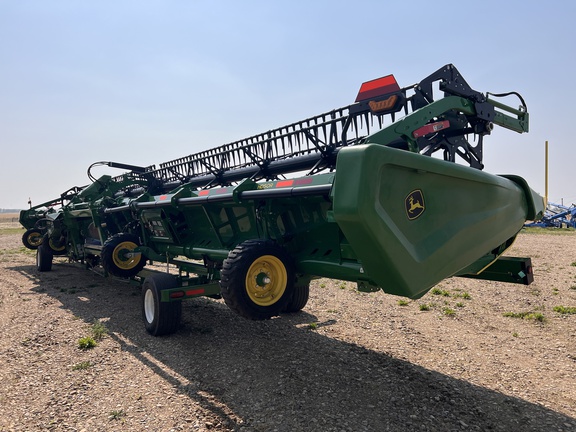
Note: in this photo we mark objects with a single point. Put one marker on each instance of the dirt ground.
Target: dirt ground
(454, 360)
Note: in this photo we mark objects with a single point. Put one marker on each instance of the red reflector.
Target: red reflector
(377, 87)
(285, 183)
(195, 292)
(163, 197)
(203, 193)
(177, 294)
(430, 128)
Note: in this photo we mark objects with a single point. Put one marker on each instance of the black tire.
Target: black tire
(257, 279)
(55, 248)
(44, 258)
(114, 256)
(299, 298)
(32, 238)
(160, 318)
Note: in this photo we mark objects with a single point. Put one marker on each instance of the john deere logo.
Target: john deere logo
(414, 204)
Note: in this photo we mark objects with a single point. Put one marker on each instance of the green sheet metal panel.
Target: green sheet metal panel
(414, 220)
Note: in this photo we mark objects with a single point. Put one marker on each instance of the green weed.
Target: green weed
(116, 415)
(536, 316)
(82, 365)
(403, 302)
(564, 309)
(99, 330)
(86, 343)
(424, 307)
(438, 291)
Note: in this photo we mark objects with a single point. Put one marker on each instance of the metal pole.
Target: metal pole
(546, 175)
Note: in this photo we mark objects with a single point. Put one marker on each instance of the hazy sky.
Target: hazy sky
(144, 82)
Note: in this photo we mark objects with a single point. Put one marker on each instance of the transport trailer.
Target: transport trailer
(355, 194)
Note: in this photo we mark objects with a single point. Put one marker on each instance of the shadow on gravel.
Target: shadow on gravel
(279, 375)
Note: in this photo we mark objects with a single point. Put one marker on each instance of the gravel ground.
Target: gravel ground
(349, 362)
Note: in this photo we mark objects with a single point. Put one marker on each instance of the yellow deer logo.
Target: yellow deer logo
(414, 204)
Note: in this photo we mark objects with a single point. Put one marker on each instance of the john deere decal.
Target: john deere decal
(414, 204)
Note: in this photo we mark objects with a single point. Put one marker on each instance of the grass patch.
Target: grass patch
(11, 231)
(313, 326)
(20, 250)
(82, 365)
(424, 307)
(86, 343)
(99, 330)
(564, 309)
(557, 231)
(403, 302)
(438, 291)
(116, 415)
(449, 312)
(536, 316)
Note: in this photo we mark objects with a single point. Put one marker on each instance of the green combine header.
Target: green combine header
(387, 192)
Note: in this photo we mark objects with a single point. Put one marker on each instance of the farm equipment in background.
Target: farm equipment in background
(351, 194)
(556, 216)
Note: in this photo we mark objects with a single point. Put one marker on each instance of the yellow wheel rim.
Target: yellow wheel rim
(56, 248)
(266, 280)
(123, 256)
(35, 239)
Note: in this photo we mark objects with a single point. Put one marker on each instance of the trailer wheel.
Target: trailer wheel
(44, 258)
(118, 258)
(160, 318)
(32, 238)
(55, 248)
(257, 279)
(299, 298)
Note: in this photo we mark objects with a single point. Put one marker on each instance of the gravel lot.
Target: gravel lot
(349, 362)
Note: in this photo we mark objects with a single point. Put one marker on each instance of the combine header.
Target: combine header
(351, 194)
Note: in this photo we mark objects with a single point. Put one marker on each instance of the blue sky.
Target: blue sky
(144, 82)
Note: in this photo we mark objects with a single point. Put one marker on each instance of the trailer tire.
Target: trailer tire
(32, 238)
(160, 318)
(44, 258)
(299, 298)
(257, 279)
(54, 248)
(114, 259)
